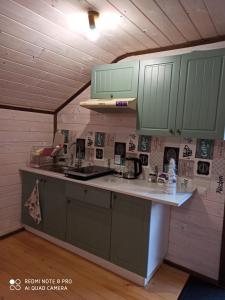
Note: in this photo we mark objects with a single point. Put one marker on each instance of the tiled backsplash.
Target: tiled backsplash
(195, 159)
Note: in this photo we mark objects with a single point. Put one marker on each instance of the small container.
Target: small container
(37, 159)
(153, 177)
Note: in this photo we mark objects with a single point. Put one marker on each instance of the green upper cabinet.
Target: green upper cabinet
(118, 80)
(201, 105)
(157, 95)
(183, 95)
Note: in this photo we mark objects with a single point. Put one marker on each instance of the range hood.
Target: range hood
(110, 105)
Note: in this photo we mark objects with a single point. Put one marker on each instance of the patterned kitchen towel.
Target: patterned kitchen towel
(33, 204)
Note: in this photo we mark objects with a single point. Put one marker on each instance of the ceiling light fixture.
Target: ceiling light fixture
(92, 33)
(92, 16)
(92, 24)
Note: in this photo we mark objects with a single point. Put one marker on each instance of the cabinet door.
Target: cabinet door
(118, 80)
(54, 214)
(201, 105)
(89, 222)
(28, 183)
(130, 233)
(157, 95)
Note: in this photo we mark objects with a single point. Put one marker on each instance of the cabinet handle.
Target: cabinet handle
(111, 96)
(179, 131)
(68, 201)
(171, 131)
(85, 191)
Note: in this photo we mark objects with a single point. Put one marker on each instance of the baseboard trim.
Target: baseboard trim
(191, 272)
(11, 233)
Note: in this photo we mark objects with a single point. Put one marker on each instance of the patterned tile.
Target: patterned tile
(156, 159)
(186, 168)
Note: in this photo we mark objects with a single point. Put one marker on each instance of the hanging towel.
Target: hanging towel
(33, 204)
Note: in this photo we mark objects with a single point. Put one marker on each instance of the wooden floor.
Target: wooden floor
(25, 255)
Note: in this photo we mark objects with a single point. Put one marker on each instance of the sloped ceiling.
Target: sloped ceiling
(43, 62)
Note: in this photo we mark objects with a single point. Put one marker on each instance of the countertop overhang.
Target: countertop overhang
(170, 194)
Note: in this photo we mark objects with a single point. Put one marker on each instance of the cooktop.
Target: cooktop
(89, 172)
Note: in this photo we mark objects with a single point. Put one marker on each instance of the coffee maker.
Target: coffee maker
(133, 168)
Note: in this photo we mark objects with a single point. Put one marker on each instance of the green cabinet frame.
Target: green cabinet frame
(119, 80)
(157, 96)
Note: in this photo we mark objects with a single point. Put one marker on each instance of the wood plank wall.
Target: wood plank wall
(195, 228)
(19, 131)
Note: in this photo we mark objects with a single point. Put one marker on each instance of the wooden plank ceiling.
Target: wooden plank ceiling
(43, 62)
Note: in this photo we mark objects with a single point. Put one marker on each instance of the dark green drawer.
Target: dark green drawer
(98, 197)
(75, 191)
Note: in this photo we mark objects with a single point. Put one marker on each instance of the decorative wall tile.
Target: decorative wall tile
(157, 144)
(110, 139)
(218, 167)
(186, 168)
(99, 153)
(80, 149)
(65, 133)
(204, 149)
(219, 149)
(156, 159)
(99, 139)
(90, 139)
(170, 152)
(109, 152)
(132, 143)
(144, 143)
(90, 154)
(144, 157)
(119, 152)
(187, 151)
(203, 168)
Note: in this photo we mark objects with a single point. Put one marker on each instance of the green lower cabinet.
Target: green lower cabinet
(28, 183)
(89, 221)
(55, 208)
(130, 233)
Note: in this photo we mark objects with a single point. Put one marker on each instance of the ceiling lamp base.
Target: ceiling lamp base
(92, 16)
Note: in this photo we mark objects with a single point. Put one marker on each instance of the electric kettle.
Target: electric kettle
(133, 168)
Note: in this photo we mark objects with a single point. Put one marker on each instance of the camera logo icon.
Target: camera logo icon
(15, 284)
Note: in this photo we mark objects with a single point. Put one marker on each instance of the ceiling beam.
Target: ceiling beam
(20, 108)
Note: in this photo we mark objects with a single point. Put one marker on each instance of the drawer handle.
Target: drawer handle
(179, 131)
(171, 131)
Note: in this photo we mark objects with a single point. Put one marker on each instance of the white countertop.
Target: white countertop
(173, 194)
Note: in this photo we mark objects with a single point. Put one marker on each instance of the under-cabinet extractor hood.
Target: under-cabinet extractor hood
(104, 105)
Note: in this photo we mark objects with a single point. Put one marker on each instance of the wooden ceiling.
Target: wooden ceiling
(43, 62)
